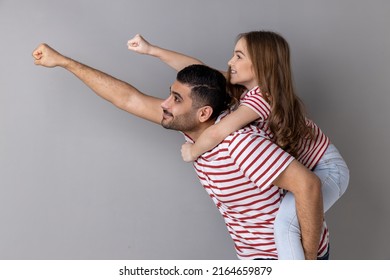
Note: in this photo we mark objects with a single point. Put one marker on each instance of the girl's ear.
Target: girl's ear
(205, 113)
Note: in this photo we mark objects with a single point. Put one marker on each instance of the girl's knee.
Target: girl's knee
(284, 226)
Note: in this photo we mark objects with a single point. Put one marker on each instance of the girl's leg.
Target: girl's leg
(334, 175)
(287, 232)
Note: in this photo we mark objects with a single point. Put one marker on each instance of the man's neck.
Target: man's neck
(194, 135)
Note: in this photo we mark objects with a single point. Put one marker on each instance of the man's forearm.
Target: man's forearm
(119, 93)
(309, 207)
(306, 187)
(104, 85)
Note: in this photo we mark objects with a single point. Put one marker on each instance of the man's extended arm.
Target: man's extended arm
(119, 93)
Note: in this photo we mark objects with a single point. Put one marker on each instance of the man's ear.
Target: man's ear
(205, 113)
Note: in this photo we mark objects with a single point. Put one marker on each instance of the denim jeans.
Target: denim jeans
(334, 175)
(323, 258)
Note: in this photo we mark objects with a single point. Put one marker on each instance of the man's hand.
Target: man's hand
(48, 57)
(139, 45)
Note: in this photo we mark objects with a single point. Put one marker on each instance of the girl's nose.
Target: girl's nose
(230, 62)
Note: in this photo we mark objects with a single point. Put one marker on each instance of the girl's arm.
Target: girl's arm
(215, 134)
(175, 60)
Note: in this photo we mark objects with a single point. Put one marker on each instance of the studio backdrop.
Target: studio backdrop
(80, 179)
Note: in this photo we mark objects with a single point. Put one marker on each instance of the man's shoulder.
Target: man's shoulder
(251, 141)
(245, 134)
(235, 140)
(244, 140)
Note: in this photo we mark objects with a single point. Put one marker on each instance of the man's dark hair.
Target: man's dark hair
(208, 87)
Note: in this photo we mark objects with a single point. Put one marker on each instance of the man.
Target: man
(239, 174)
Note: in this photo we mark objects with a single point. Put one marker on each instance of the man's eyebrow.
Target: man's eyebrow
(175, 93)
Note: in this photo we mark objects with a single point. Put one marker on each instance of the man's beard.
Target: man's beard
(184, 123)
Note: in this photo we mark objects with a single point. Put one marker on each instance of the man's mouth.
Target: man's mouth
(166, 114)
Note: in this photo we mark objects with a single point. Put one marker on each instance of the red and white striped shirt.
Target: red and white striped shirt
(238, 176)
(310, 151)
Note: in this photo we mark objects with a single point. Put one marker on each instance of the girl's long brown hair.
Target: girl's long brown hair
(270, 56)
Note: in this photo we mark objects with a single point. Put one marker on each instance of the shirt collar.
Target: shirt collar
(220, 117)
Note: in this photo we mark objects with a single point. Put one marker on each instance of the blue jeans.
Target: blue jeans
(334, 175)
(323, 258)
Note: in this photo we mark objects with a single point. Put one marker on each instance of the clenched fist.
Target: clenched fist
(139, 45)
(46, 56)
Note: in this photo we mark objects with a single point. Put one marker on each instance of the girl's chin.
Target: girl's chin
(235, 83)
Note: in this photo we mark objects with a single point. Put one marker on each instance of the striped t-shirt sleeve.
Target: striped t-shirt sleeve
(260, 159)
(255, 101)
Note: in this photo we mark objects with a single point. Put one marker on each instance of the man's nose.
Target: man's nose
(165, 103)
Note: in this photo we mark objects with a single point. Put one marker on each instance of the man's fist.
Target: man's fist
(48, 57)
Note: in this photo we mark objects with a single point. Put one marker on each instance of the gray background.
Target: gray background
(80, 179)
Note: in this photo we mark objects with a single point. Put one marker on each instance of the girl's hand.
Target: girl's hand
(139, 45)
(186, 152)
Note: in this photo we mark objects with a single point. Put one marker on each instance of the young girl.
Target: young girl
(260, 78)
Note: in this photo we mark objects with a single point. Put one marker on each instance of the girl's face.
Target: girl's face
(241, 68)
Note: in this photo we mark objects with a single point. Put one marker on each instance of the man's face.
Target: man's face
(178, 112)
